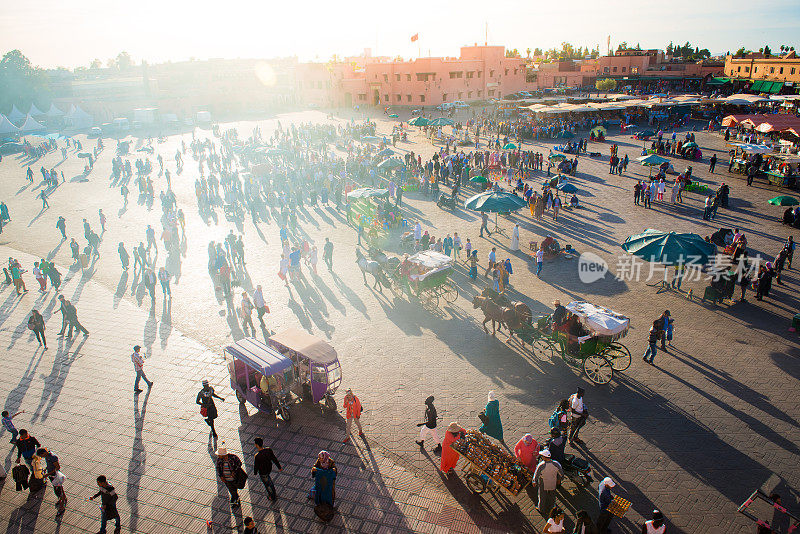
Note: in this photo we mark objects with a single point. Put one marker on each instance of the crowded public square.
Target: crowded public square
(569, 310)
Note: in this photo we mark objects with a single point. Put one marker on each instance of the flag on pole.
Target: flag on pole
(414, 37)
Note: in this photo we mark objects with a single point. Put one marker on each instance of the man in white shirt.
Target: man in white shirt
(417, 232)
(492, 261)
(138, 366)
(260, 304)
(579, 414)
(539, 260)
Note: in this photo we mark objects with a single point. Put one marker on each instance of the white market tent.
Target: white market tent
(6, 126)
(30, 125)
(54, 111)
(34, 111)
(15, 115)
(77, 118)
(600, 319)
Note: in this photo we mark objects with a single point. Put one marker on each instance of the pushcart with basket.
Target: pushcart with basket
(490, 467)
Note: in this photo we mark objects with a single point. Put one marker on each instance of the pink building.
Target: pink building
(482, 72)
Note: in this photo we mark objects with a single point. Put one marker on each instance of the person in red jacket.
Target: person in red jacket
(353, 412)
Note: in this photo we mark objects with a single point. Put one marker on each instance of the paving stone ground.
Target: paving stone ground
(715, 419)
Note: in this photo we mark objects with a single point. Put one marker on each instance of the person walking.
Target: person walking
(205, 398)
(262, 467)
(36, 323)
(353, 411)
(39, 275)
(8, 424)
(584, 523)
(228, 467)
(57, 480)
(492, 260)
(555, 522)
(163, 278)
(138, 366)
(327, 253)
(72, 319)
(579, 414)
(246, 312)
(108, 504)
(16, 278)
(546, 478)
(261, 305)
(43, 195)
(485, 223)
(653, 337)
(61, 224)
(605, 498)
(539, 260)
(492, 425)
(712, 163)
(664, 319)
(428, 428)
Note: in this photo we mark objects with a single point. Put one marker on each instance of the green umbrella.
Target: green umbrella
(652, 160)
(557, 157)
(690, 144)
(419, 121)
(495, 202)
(669, 248)
(478, 179)
(784, 200)
(597, 130)
(510, 146)
(393, 116)
(442, 121)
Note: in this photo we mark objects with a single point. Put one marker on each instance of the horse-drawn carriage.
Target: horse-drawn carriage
(588, 338)
(425, 276)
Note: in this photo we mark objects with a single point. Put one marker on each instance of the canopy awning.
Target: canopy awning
(718, 81)
(306, 345)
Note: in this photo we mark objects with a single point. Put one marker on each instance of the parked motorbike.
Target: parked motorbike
(446, 201)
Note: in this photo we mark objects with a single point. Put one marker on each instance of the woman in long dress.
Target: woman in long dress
(515, 238)
(675, 188)
(449, 456)
(493, 426)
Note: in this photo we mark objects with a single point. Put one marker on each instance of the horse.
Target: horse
(522, 313)
(494, 312)
(372, 267)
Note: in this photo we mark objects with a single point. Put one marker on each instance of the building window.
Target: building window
(470, 74)
(422, 98)
(506, 72)
(605, 70)
(755, 69)
(422, 76)
(408, 77)
(747, 69)
(738, 69)
(385, 98)
(772, 70)
(397, 77)
(781, 72)
(398, 98)
(456, 74)
(444, 97)
(479, 74)
(623, 69)
(615, 69)
(469, 94)
(460, 95)
(319, 85)
(491, 74)
(385, 77)
(491, 92)
(408, 97)
(480, 93)
(791, 71)
(328, 84)
(362, 96)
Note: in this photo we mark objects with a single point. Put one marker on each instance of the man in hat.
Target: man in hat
(428, 428)
(227, 467)
(606, 497)
(546, 478)
(353, 411)
(579, 415)
(138, 366)
(559, 313)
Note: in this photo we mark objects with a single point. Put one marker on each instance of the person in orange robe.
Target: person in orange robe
(527, 451)
(449, 456)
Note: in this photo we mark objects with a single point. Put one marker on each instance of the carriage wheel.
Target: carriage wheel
(450, 293)
(618, 355)
(598, 369)
(475, 483)
(569, 358)
(430, 301)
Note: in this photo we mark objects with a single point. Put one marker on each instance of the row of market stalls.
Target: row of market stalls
(18, 123)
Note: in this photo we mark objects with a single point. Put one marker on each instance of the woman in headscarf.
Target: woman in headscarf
(205, 398)
(492, 426)
(324, 473)
(606, 497)
(515, 238)
(449, 456)
(527, 451)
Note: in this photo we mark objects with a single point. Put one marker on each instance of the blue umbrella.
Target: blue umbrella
(652, 160)
(390, 163)
(371, 139)
(495, 202)
(669, 248)
(441, 121)
(385, 153)
(566, 187)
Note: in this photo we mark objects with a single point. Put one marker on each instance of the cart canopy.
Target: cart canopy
(600, 319)
(259, 356)
(431, 259)
(307, 345)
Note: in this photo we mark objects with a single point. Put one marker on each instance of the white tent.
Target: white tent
(34, 111)
(54, 111)
(31, 125)
(15, 115)
(77, 118)
(6, 127)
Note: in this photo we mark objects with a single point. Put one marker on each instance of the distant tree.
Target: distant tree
(767, 51)
(124, 61)
(537, 51)
(20, 82)
(622, 46)
(512, 53)
(528, 52)
(670, 48)
(638, 47)
(95, 64)
(606, 84)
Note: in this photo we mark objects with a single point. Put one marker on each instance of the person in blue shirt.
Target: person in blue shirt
(606, 497)
(8, 423)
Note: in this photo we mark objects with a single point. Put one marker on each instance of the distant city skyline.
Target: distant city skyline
(54, 33)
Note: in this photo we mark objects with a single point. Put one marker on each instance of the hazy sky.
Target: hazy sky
(73, 32)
